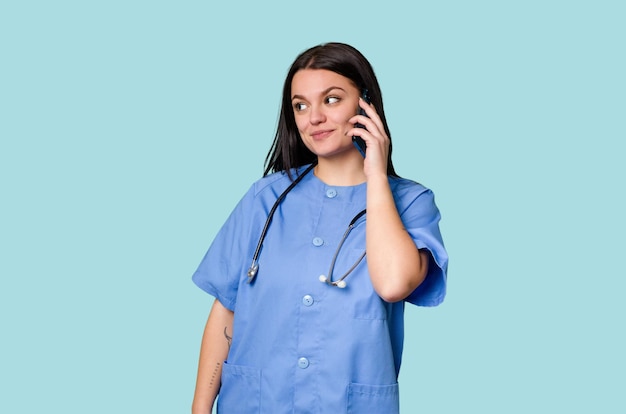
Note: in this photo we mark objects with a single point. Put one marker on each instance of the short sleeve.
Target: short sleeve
(421, 217)
(221, 268)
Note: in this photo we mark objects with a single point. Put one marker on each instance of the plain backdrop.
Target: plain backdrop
(130, 129)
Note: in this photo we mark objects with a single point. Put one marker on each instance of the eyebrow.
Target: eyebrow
(324, 92)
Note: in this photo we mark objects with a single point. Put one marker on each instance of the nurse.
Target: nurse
(308, 310)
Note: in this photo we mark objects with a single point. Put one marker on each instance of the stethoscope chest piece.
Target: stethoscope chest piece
(252, 271)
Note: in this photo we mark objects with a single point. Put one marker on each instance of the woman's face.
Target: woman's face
(323, 101)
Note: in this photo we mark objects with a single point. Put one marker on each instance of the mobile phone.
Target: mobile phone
(358, 141)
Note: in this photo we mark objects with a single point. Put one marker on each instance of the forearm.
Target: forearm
(213, 353)
(395, 264)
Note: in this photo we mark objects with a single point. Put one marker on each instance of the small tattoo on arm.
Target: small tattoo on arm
(228, 338)
(217, 367)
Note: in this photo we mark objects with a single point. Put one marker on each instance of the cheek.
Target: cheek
(343, 118)
(300, 123)
(347, 113)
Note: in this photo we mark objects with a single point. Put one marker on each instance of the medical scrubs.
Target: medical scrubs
(300, 345)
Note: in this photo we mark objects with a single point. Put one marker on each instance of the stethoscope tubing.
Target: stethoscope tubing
(254, 267)
(339, 282)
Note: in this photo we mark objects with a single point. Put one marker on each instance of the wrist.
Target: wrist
(201, 407)
(378, 178)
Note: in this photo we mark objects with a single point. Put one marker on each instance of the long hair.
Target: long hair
(288, 151)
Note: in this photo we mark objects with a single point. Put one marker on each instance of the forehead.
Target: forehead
(315, 81)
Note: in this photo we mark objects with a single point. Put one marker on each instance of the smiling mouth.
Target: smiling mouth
(322, 134)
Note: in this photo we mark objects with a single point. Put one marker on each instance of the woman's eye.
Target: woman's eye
(332, 99)
(299, 106)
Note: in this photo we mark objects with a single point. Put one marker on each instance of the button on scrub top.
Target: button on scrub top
(300, 345)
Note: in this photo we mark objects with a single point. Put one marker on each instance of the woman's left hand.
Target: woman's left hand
(375, 138)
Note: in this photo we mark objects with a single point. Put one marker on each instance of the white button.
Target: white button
(303, 363)
(331, 193)
(318, 241)
(307, 300)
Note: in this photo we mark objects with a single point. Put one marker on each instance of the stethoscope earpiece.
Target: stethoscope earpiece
(339, 283)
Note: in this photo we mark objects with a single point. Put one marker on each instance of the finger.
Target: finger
(375, 131)
(371, 113)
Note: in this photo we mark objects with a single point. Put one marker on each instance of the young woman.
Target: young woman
(313, 267)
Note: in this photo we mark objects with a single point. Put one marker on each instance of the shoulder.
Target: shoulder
(402, 187)
(411, 195)
(277, 181)
(269, 181)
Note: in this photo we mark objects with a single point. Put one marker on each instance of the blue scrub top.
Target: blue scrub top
(300, 345)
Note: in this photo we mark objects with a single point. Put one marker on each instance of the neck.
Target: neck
(347, 171)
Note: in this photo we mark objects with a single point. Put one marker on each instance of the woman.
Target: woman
(309, 319)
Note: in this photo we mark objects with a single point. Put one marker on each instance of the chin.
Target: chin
(338, 153)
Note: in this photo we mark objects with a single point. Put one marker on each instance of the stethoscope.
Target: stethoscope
(341, 282)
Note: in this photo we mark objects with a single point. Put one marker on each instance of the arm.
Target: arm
(395, 264)
(213, 353)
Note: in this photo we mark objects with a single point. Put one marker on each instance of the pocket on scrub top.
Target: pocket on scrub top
(374, 399)
(240, 391)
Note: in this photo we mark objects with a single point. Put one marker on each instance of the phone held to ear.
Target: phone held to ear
(358, 141)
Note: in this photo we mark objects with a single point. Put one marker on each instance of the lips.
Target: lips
(321, 134)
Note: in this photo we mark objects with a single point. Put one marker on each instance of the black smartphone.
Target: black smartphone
(358, 141)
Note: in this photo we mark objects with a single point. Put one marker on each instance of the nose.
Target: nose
(317, 115)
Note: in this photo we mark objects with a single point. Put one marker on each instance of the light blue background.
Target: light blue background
(129, 130)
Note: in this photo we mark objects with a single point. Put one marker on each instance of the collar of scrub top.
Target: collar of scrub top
(340, 283)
